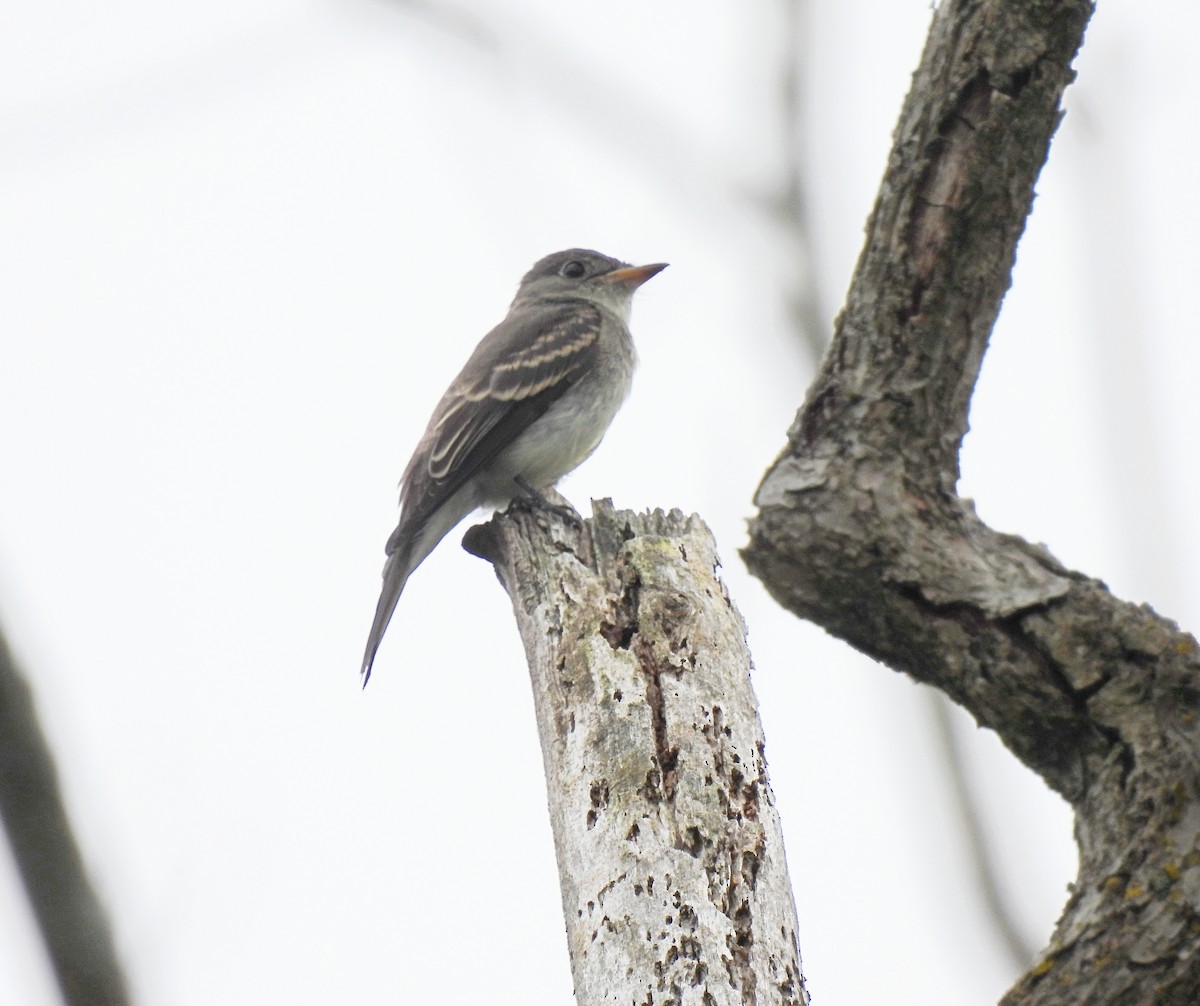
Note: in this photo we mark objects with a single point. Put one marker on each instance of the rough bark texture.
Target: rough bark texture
(674, 884)
(861, 531)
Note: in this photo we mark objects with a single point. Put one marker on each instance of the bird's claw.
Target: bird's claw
(535, 498)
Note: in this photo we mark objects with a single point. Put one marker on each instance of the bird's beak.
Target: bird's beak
(633, 276)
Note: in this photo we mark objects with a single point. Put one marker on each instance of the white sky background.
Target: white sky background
(244, 247)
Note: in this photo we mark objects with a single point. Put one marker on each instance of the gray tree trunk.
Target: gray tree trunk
(860, 528)
(669, 850)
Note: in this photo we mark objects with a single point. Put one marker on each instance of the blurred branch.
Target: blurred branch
(860, 527)
(1021, 951)
(631, 122)
(1111, 252)
(792, 204)
(73, 923)
(459, 21)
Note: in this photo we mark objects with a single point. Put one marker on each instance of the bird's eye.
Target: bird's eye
(573, 269)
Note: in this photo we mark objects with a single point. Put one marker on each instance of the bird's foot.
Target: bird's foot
(536, 498)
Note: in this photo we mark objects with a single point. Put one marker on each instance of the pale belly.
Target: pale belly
(561, 439)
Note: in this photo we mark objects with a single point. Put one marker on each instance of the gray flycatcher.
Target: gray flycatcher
(532, 402)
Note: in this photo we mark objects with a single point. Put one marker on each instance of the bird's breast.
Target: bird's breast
(572, 428)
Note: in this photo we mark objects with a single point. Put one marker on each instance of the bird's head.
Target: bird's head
(578, 272)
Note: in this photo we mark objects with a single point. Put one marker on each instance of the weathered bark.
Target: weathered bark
(860, 529)
(72, 921)
(674, 884)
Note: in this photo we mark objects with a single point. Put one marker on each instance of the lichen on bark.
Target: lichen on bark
(674, 883)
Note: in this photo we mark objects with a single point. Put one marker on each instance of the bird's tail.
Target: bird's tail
(413, 539)
(395, 575)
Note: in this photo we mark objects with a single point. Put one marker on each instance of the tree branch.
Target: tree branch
(669, 849)
(73, 923)
(860, 529)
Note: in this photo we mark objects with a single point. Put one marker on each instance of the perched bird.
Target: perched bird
(532, 402)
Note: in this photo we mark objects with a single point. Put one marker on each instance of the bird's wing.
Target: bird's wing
(513, 377)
